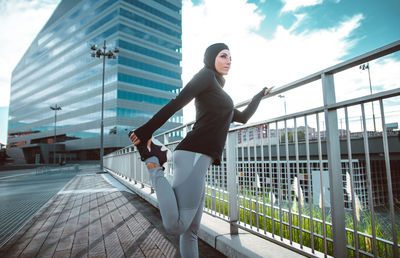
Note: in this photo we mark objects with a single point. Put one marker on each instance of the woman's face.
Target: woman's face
(223, 62)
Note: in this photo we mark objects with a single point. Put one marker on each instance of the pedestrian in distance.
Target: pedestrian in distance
(181, 203)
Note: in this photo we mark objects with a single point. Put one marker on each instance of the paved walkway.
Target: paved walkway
(90, 217)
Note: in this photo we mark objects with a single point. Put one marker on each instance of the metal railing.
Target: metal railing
(301, 181)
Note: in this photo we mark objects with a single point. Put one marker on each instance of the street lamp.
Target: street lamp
(55, 108)
(364, 67)
(284, 101)
(99, 53)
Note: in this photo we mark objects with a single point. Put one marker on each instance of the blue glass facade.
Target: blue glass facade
(57, 69)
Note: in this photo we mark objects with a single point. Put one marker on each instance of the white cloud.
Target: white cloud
(310, 51)
(20, 20)
(257, 61)
(293, 5)
(211, 22)
(232, 22)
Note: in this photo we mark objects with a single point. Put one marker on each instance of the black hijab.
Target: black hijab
(209, 59)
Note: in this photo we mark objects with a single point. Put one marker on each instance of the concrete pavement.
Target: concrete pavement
(93, 216)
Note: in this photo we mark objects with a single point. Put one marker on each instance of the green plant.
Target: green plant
(268, 219)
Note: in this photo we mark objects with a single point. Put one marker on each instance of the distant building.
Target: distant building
(57, 69)
(254, 135)
(390, 127)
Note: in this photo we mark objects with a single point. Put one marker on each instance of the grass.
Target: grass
(267, 219)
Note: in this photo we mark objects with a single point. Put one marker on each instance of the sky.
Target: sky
(272, 42)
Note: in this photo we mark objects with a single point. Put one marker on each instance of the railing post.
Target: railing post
(231, 181)
(167, 165)
(141, 175)
(134, 162)
(131, 167)
(335, 169)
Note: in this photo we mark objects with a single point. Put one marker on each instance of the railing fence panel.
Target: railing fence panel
(319, 181)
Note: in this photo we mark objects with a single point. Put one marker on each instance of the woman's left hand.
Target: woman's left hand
(267, 90)
(135, 140)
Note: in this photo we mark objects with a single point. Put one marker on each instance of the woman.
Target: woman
(181, 205)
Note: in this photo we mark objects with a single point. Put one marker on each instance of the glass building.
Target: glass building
(57, 69)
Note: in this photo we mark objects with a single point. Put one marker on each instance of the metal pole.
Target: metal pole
(55, 135)
(284, 99)
(102, 111)
(369, 181)
(55, 108)
(335, 170)
(232, 183)
(370, 89)
(353, 196)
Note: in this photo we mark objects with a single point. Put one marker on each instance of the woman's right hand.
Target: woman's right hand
(135, 140)
(267, 90)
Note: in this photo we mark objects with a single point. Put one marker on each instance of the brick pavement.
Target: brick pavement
(92, 218)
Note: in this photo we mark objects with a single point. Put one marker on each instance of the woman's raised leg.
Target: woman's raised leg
(180, 202)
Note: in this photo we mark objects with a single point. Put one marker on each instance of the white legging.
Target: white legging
(181, 205)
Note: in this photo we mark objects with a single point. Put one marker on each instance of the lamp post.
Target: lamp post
(99, 53)
(284, 101)
(55, 108)
(366, 67)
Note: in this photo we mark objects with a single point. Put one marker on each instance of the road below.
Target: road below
(23, 193)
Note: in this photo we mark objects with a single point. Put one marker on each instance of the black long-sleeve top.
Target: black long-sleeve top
(214, 113)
